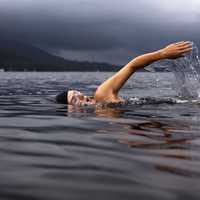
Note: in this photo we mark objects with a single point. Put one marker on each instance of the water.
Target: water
(186, 71)
(187, 75)
(147, 149)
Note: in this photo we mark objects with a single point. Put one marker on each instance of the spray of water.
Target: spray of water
(186, 71)
(187, 75)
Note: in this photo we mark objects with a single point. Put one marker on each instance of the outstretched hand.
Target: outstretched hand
(176, 50)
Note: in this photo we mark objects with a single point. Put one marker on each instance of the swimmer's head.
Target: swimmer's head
(73, 97)
(76, 98)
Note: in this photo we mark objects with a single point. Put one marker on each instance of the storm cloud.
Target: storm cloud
(113, 31)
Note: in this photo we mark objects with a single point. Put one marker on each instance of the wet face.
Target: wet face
(77, 98)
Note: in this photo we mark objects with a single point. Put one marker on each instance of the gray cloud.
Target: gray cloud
(99, 30)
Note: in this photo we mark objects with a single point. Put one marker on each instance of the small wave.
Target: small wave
(151, 100)
(141, 101)
(156, 100)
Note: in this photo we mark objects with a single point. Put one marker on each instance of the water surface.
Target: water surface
(147, 149)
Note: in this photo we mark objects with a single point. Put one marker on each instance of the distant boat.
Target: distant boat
(1, 70)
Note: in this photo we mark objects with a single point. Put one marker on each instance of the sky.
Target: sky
(112, 31)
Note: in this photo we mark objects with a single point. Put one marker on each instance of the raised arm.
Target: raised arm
(108, 90)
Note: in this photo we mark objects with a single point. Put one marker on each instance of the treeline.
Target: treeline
(38, 60)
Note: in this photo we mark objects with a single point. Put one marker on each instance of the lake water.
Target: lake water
(147, 149)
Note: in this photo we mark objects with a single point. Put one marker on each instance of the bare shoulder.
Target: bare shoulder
(106, 96)
(102, 92)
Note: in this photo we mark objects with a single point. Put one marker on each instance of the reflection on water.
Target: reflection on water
(132, 151)
(157, 135)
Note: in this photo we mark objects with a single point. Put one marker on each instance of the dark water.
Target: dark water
(148, 149)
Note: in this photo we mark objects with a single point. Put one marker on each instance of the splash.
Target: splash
(186, 71)
(187, 75)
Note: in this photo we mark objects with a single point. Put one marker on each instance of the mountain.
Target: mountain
(17, 56)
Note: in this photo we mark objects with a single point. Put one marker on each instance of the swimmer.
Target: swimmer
(108, 91)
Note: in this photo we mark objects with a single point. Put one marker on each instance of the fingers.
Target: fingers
(186, 50)
(181, 42)
(185, 47)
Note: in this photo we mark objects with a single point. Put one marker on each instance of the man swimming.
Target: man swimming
(108, 91)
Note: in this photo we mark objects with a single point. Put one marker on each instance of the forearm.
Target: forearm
(145, 60)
